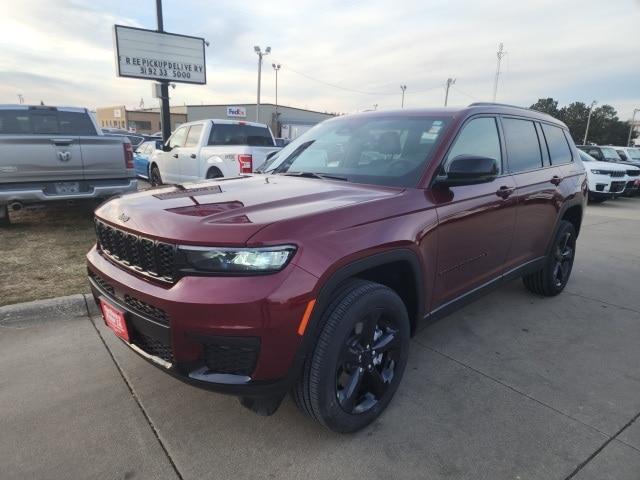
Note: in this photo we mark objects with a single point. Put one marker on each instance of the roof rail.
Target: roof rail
(489, 104)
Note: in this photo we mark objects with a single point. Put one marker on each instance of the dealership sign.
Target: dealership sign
(236, 112)
(152, 55)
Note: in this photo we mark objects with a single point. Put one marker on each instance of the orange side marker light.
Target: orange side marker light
(305, 318)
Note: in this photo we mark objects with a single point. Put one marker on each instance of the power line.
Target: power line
(347, 89)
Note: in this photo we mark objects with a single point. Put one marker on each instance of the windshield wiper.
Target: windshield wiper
(323, 176)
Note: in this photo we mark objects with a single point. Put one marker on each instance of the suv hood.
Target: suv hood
(230, 211)
(604, 166)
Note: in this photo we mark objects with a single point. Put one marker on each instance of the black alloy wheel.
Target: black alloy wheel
(367, 363)
(551, 279)
(360, 354)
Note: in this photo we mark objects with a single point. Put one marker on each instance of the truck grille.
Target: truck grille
(143, 255)
(633, 173)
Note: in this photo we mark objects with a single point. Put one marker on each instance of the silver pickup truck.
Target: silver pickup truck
(55, 153)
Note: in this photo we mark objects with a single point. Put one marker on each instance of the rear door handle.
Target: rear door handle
(505, 191)
(556, 180)
(175, 155)
(193, 155)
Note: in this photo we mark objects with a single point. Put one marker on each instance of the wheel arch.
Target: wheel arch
(399, 269)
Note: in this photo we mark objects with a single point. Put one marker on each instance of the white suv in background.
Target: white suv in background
(211, 149)
(605, 179)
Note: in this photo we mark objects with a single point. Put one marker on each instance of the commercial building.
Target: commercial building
(289, 122)
(145, 121)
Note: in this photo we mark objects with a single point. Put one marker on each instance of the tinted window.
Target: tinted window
(45, 122)
(595, 153)
(194, 136)
(236, 134)
(585, 157)
(559, 150)
(178, 138)
(479, 138)
(75, 123)
(381, 150)
(522, 145)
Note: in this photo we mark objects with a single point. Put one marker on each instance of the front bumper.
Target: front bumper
(206, 330)
(34, 192)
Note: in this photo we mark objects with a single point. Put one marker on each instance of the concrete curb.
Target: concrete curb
(38, 311)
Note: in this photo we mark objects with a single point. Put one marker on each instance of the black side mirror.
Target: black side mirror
(166, 148)
(470, 170)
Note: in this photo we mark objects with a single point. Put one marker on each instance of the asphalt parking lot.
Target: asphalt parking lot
(511, 387)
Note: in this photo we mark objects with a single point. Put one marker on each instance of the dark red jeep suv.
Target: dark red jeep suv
(312, 277)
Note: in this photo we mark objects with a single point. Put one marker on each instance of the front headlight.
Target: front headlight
(599, 172)
(237, 260)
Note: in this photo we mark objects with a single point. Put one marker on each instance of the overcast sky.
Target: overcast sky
(61, 51)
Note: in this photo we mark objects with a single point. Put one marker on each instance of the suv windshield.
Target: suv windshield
(610, 154)
(634, 153)
(378, 150)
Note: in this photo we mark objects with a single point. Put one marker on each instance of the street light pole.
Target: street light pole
(501, 53)
(631, 127)
(586, 132)
(403, 88)
(165, 113)
(276, 67)
(450, 81)
(260, 54)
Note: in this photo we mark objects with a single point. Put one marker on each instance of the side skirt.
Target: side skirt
(469, 297)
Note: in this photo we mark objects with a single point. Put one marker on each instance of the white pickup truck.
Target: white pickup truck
(211, 149)
(58, 154)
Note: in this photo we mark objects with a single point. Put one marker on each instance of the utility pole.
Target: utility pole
(276, 67)
(375, 106)
(631, 127)
(450, 81)
(501, 53)
(165, 113)
(20, 99)
(260, 54)
(586, 132)
(403, 88)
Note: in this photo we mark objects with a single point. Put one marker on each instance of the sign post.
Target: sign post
(160, 56)
(165, 110)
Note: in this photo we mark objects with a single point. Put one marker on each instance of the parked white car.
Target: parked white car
(211, 149)
(629, 154)
(605, 179)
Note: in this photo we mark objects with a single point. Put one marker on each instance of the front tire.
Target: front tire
(553, 277)
(4, 216)
(155, 179)
(358, 360)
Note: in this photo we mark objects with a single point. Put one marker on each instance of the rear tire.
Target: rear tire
(5, 221)
(155, 179)
(551, 279)
(358, 360)
(214, 172)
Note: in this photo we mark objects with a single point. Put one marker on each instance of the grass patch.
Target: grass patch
(42, 253)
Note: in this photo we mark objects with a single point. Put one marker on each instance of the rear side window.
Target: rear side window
(522, 145)
(194, 136)
(237, 134)
(559, 150)
(480, 138)
(45, 122)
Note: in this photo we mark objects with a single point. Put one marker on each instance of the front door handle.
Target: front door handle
(175, 155)
(556, 180)
(505, 191)
(193, 155)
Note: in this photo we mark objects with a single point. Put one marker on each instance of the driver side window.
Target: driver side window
(178, 138)
(479, 138)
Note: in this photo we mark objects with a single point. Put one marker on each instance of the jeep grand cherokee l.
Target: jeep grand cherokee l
(312, 277)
